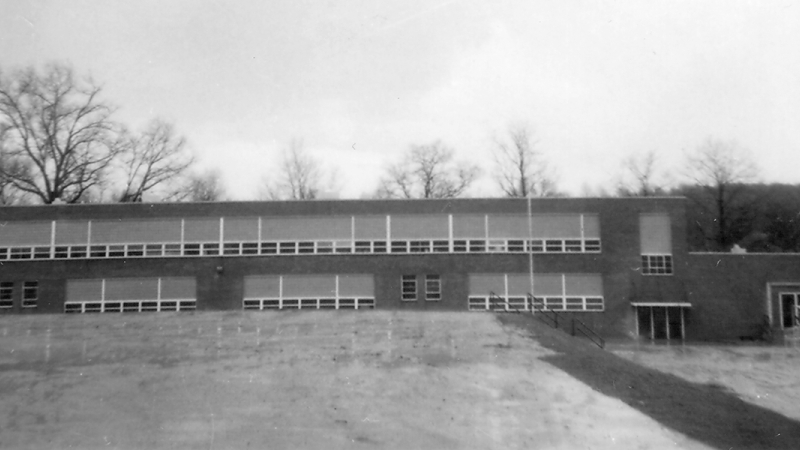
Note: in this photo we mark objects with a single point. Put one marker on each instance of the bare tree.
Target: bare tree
(641, 177)
(301, 176)
(427, 171)
(720, 169)
(206, 186)
(59, 137)
(155, 158)
(8, 194)
(521, 169)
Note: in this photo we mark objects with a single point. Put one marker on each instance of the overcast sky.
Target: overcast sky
(360, 81)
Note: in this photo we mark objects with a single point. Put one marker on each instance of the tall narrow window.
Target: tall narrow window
(409, 288)
(6, 294)
(655, 240)
(30, 294)
(433, 287)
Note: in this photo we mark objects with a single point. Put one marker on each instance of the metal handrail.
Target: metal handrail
(544, 313)
(576, 324)
(495, 300)
(588, 332)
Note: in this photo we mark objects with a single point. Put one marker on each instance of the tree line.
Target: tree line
(59, 143)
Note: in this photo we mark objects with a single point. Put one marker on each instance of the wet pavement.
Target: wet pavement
(320, 379)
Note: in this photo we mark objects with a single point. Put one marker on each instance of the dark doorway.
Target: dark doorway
(645, 324)
(789, 309)
(675, 322)
(660, 322)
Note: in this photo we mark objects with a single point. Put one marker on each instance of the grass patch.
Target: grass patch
(708, 413)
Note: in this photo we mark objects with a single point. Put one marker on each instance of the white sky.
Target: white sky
(361, 80)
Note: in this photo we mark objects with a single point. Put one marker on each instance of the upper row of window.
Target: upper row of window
(302, 247)
(297, 228)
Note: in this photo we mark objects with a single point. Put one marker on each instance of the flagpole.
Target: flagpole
(530, 252)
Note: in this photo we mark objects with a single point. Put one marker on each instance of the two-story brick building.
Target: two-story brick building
(621, 264)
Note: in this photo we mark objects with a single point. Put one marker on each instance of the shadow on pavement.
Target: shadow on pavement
(708, 413)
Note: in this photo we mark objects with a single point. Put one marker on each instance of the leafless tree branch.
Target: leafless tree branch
(520, 168)
(427, 171)
(59, 137)
(721, 168)
(157, 157)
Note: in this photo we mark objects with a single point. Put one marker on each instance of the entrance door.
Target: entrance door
(660, 322)
(790, 308)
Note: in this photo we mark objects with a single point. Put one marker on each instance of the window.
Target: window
(572, 245)
(62, 252)
(409, 288)
(477, 246)
(420, 246)
(30, 294)
(191, 249)
(305, 247)
(460, 246)
(172, 250)
(6, 294)
(231, 248)
(288, 248)
(135, 250)
(363, 246)
(41, 252)
(516, 246)
(441, 246)
(325, 247)
(77, 251)
(211, 248)
(594, 303)
(21, 252)
(344, 247)
(656, 264)
(399, 246)
(536, 246)
(379, 247)
(116, 251)
(433, 288)
(553, 245)
(249, 248)
(592, 245)
(269, 248)
(496, 245)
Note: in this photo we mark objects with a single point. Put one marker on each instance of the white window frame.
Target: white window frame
(433, 287)
(29, 287)
(406, 293)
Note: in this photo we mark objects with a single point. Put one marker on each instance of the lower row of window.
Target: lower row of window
(495, 303)
(30, 294)
(129, 306)
(309, 303)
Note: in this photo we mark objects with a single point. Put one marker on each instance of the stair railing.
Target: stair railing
(580, 327)
(552, 318)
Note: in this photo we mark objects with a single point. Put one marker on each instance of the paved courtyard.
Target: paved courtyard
(320, 380)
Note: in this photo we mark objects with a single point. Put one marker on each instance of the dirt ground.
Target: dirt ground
(703, 406)
(768, 376)
(319, 380)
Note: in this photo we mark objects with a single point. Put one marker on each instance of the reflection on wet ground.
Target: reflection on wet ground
(324, 379)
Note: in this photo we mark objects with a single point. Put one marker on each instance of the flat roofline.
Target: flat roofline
(353, 200)
(745, 254)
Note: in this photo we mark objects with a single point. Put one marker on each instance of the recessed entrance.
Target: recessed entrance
(661, 321)
(790, 309)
